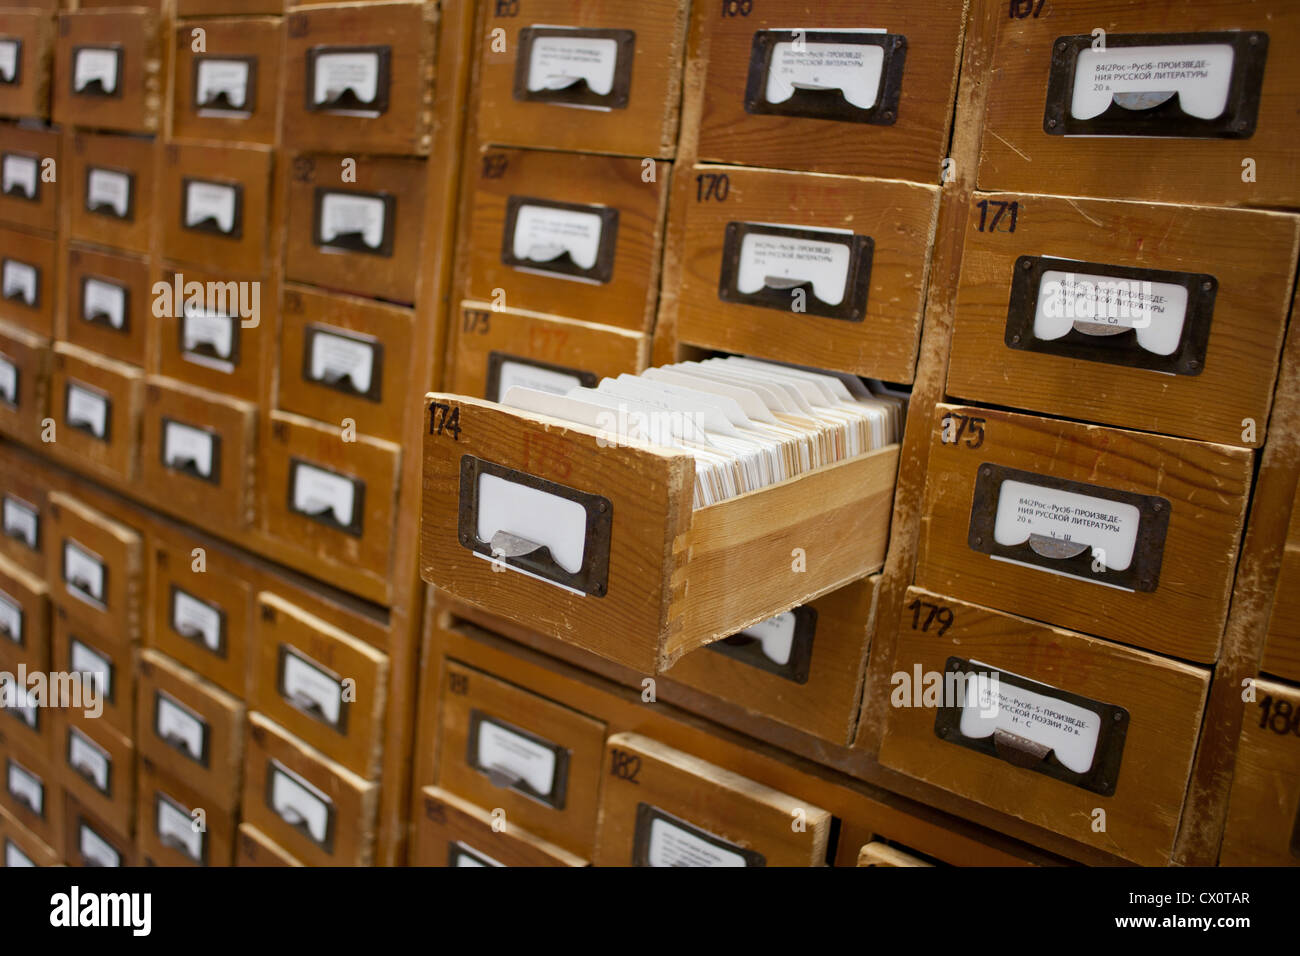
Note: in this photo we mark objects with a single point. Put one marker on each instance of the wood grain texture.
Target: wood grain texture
(825, 705)
(255, 848)
(34, 143)
(261, 38)
(1164, 699)
(219, 824)
(1282, 643)
(1206, 486)
(584, 346)
(118, 546)
(443, 822)
(127, 344)
(115, 456)
(117, 806)
(899, 217)
(1265, 799)
(31, 355)
(1252, 254)
(627, 300)
(134, 155)
(572, 824)
(27, 842)
(218, 776)
(1018, 155)
(38, 251)
(910, 148)
(30, 96)
(721, 802)
(141, 73)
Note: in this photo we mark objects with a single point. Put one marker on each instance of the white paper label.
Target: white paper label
(297, 802)
(673, 846)
(19, 171)
(83, 572)
(106, 187)
(8, 381)
(176, 828)
(544, 233)
(516, 756)
(88, 758)
(1156, 309)
(1069, 730)
(24, 706)
(217, 332)
(776, 635)
(215, 77)
(95, 848)
(558, 62)
(310, 688)
(1200, 73)
(107, 300)
(1108, 527)
(11, 619)
(783, 262)
(338, 72)
(9, 59)
(852, 68)
(83, 660)
(15, 857)
(344, 214)
(534, 515)
(21, 521)
(184, 445)
(21, 281)
(316, 491)
(336, 356)
(215, 201)
(527, 375)
(179, 726)
(192, 618)
(467, 857)
(87, 410)
(26, 787)
(95, 63)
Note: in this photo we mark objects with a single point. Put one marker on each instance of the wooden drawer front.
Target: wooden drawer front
(342, 357)
(110, 304)
(1035, 141)
(894, 126)
(24, 617)
(191, 729)
(450, 831)
(1124, 743)
(317, 810)
(1282, 648)
(504, 746)
(1033, 305)
(95, 568)
(177, 826)
(228, 92)
(22, 523)
(736, 554)
(224, 8)
(110, 664)
(32, 31)
(20, 847)
(498, 348)
(27, 281)
(1175, 510)
(98, 767)
(609, 275)
(860, 314)
(319, 683)
(200, 609)
(361, 236)
(803, 668)
(25, 726)
(29, 196)
(333, 499)
(112, 190)
(109, 70)
(30, 792)
(663, 807)
(199, 452)
(95, 404)
(1264, 806)
(90, 841)
(629, 60)
(255, 848)
(215, 206)
(387, 50)
(222, 344)
(24, 382)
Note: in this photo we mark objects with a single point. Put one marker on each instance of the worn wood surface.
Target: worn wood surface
(1260, 826)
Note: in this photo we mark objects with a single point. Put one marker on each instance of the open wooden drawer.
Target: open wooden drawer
(656, 578)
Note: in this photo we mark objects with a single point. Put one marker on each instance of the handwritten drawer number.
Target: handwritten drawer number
(933, 613)
(444, 420)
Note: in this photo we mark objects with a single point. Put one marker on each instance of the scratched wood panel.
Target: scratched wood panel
(1206, 486)
(1164, 699)
(1264, 803)
(260, 38)
(911, 147)
(36, 144)
(30, 355)
(217, 841)
(30, 96)
(900, 219)
(137, 105)
(646, 126)
(1251, 254)
(642, 771)
(446, 825)
(1018, 155)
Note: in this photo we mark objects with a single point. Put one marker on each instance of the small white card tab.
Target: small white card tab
(544, 233)
(108, 187)
(176, 828)
(852, 68)
(21, 172)
(83, 572)
(343, 214)
(26, 787)
(185, 445)
(95, 63)
(558, 62)
(11, 619)
(214, 77)
(20, 281)
(1157, 310)
(465, 856)
(1108, 527)
(501, 749)
(527, 375)
(8, 381)
(317, 491)
(672, 845)
(9, 50)
(103, 299)
(21, 521)
(335, 73)
(89, 759)
(87, 410)
(211, 201)
(1141, 77)
(1069, 730)
(334, 357)
(217, 332)
(298, 803)
(82, 659)
(179, 726)
(533, 515)
(95, 848)
(194, 618)
(787, 261)
(309, 687)
(776, 635)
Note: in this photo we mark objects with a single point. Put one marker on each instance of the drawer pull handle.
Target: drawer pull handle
(86, 771)
(180, 743)
(27, 802)
(765, 265)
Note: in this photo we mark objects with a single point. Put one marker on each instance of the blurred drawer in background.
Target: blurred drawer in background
(230, 91)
